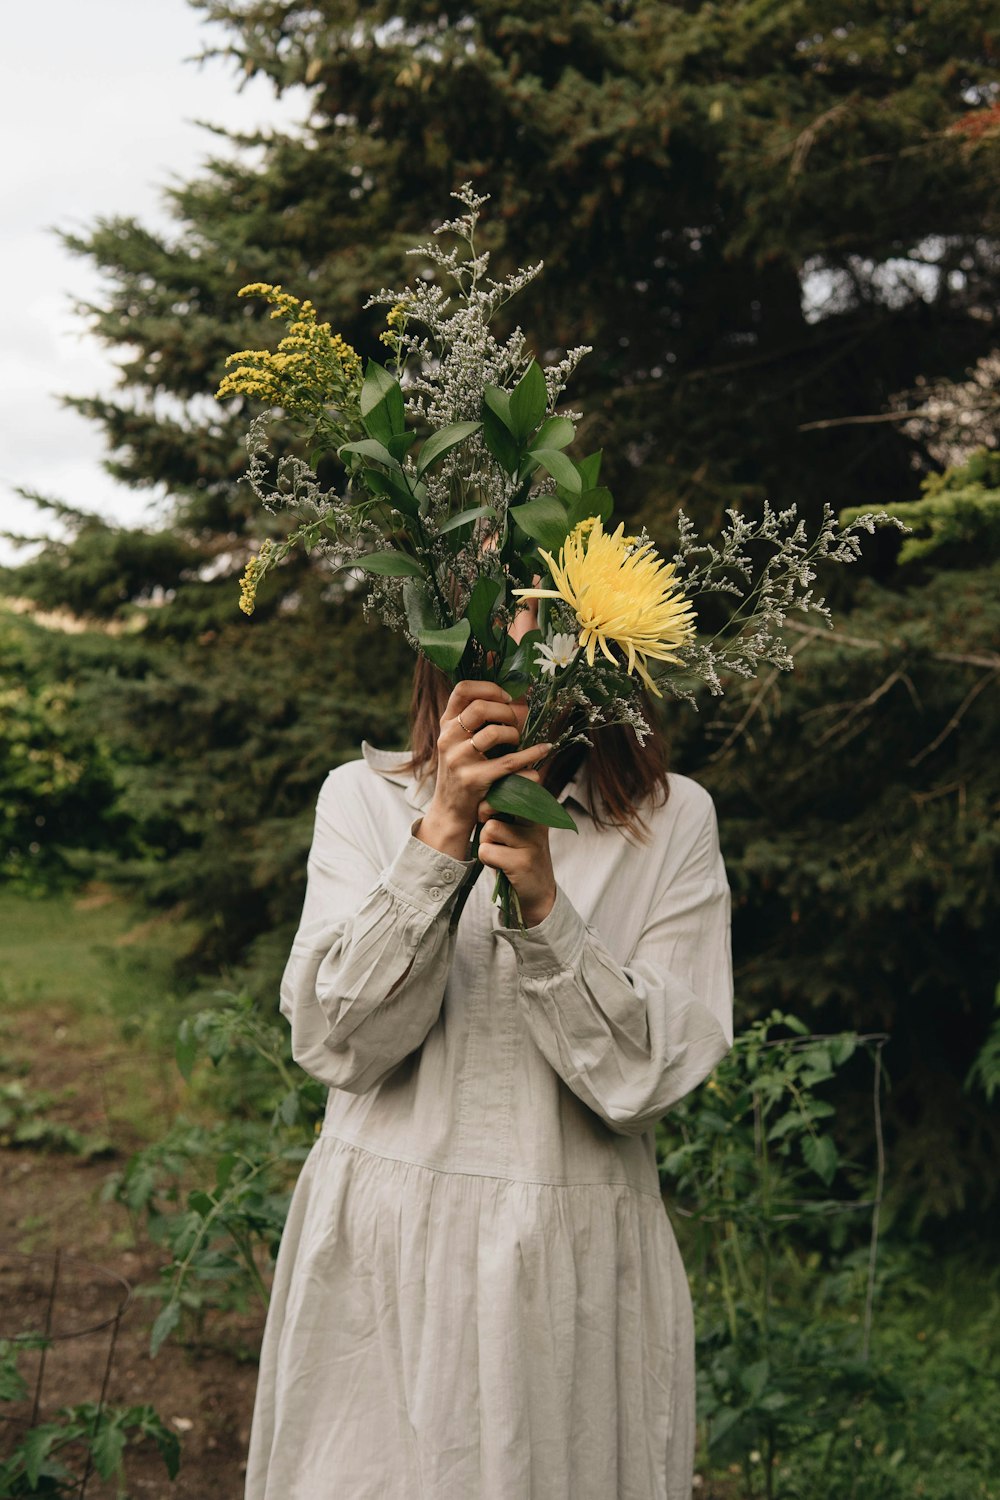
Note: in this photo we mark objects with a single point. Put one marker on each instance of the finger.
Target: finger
(496, 856)
(519, 833)
(468, 691)
(516, 763)
(509, 835)
(490, 711)
(490, 735)
(490, 855)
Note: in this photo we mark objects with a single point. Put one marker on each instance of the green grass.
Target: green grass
(74, 951)
(88, 1006)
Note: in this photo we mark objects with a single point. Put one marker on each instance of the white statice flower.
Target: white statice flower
(557, 652)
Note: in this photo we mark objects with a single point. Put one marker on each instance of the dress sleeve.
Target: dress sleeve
(366, 976)
(630, 1042)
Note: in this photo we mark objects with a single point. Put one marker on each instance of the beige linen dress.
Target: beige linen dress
(479, 1295)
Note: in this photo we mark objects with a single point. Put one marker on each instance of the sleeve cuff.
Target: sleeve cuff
(424, 877)
(555, 944)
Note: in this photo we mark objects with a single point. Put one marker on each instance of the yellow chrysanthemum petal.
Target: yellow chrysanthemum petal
(622, 595)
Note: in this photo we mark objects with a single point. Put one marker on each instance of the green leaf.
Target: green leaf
(400, 444)
(754, 1378)
(443, 441)
(544, 519)
(395, 489)
(563, 470)
(590, 467)
(528, 401)
(521, 798)
(13, 1386)
(407, 493)
(791, 1120)
(466, 518)
(169, 1448)
(820, 1155)
(481, 607)
(389, 565)
(289, 1110)
(499, 441)
(370, 448)
(166, 1321)
(498, 402)
(384, 485)
(223, 1171)
(186, 1050)
(720, 1424)
(381, 403)
(35, 1448)
(445, 648)
(841, 1048)
(168, 1444)
(593, 502)
(522, 662)
(108, 1446)
(200, 1203)
(555, 432)
(420, 614)
(817, 1061)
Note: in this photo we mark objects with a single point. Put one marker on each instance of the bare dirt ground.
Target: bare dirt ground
(204, 1393)
(51, 1200)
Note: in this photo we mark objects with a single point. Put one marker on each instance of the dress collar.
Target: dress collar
(393, 765)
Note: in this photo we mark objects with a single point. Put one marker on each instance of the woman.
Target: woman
(479, 1296)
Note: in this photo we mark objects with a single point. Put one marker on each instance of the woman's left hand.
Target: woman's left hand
(521, 851)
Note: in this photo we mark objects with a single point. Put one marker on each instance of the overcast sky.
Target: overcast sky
(98, 106)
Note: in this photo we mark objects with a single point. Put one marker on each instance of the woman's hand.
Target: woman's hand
(478, 717)
(521, 851)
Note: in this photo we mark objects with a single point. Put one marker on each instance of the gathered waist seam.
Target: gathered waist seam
(409, 1161)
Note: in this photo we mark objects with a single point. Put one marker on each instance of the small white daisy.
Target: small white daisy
(557, 653)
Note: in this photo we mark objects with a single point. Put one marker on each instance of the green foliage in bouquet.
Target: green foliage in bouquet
(458, 498)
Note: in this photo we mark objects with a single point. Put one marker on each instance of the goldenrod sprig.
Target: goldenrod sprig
(311, 372)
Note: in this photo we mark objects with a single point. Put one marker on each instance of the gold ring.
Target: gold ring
(469, 732)
(472, 741)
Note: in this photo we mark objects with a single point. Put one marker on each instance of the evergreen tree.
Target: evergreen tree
(857, 798)
(772, 222)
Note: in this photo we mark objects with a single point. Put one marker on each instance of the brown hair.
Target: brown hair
(625, 777)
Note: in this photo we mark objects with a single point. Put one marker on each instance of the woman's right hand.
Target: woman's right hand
(478, 717)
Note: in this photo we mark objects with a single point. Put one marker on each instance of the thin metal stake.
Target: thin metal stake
(876, 1205)
(48, 1331)
(100, 1403)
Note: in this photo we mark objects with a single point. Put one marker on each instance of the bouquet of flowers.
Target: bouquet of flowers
(460, 501)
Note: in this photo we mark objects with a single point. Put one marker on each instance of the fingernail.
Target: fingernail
(508, 697)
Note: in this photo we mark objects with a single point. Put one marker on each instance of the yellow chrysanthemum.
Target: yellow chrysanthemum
(623, 595)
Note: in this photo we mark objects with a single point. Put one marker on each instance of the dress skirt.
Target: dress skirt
(443, 1336)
